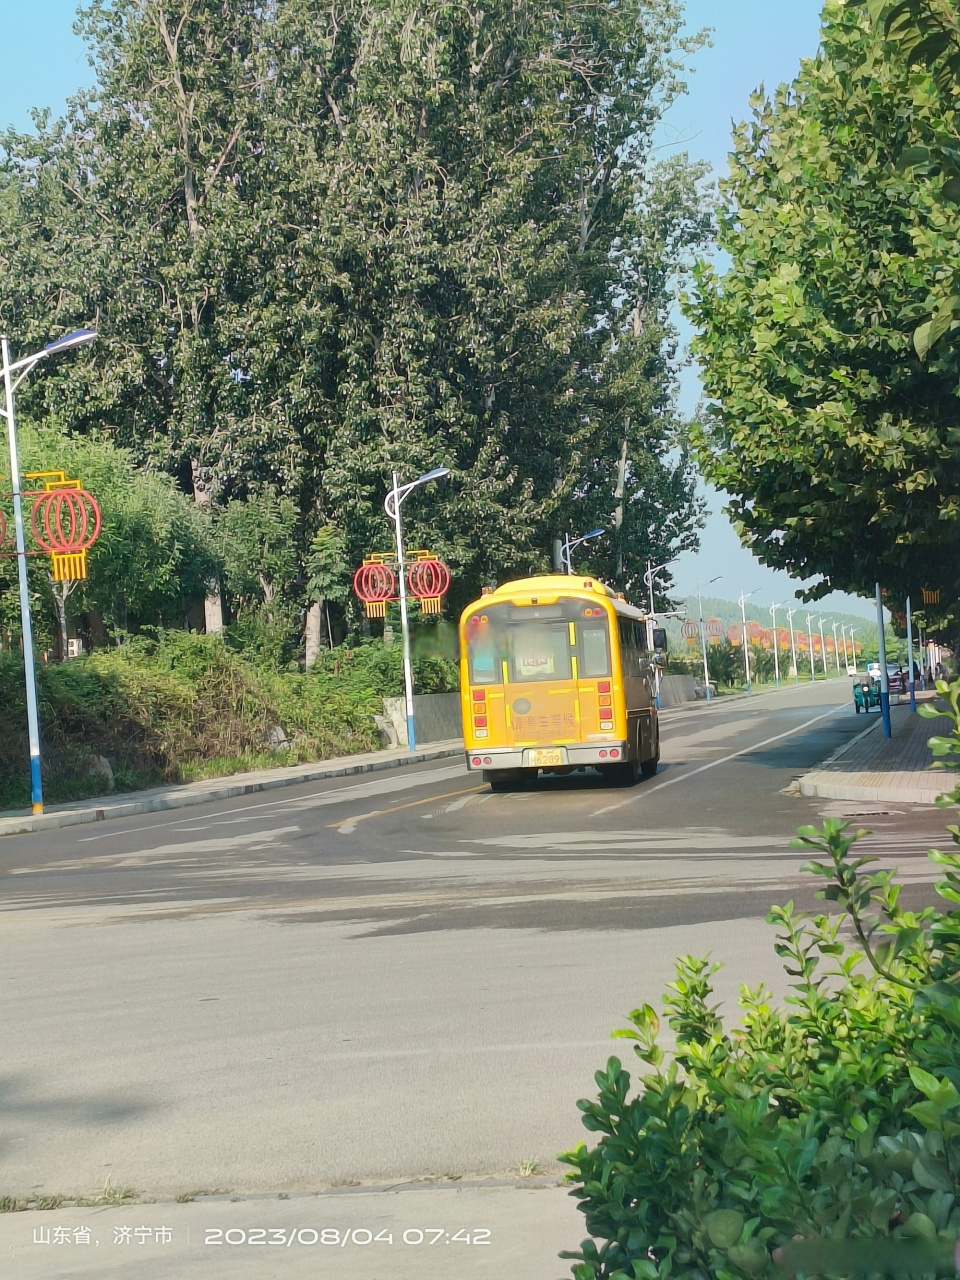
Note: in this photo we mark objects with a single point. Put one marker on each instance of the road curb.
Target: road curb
(821, 784)
(811, 786)
(182, 798)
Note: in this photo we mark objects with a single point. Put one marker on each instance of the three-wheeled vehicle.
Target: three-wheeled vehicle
(866, 693)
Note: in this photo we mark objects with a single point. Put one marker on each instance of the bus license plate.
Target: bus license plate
(542, 758)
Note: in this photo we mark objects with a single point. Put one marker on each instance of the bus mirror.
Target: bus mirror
(659, 640)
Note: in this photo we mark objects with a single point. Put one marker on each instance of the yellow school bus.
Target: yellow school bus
(557, 673)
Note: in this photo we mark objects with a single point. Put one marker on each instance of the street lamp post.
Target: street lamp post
(912, 682)
(793, 646)
(76, 339)
(744, 597)
(776, 655)
(392, 504)
(843, 640)
(569, 546)
(836, 648)
(703, 637)
(884, 678)
(823, 649)
(813, 662)
(648, 578)
(853, 648)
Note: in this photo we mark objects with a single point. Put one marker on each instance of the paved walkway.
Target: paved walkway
(897, 769)
(101, 808)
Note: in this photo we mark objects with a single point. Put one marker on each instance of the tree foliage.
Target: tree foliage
(925, 35)
(325, 241)
(154, 553)
(839, 447)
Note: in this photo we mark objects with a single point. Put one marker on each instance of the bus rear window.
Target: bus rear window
(594, 651)
(539, 651)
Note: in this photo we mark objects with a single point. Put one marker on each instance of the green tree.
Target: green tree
(153, 555)
(256, 540)
(322, 243)
(838, 446)
(925, 35)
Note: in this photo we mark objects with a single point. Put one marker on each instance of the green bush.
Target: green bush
(173, 706)
(837, 1117)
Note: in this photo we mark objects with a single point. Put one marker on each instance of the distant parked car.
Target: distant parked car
(896, 676)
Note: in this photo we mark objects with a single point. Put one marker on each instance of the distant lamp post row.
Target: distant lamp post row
(744, 597)
(703, 636)
(79, 338)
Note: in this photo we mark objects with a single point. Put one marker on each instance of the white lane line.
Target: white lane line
(669, 782)
(313, 799)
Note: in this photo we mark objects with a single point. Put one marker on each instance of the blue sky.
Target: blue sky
(754, 42)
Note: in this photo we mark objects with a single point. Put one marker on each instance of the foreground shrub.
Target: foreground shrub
(838, 1117)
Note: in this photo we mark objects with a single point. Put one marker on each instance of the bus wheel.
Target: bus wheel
(623, 774)
(648, 768)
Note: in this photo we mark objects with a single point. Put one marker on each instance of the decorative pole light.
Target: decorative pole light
(78, 338)
(375, 584)
(429, 581)
(714, 627)
(391, 505)
(744, 597)
(66, 523)
(793, 645)
(776, 642)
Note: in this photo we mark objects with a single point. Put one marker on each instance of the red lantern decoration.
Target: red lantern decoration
(735, 634)
(429, 581)
(375, 584)
(66, 523)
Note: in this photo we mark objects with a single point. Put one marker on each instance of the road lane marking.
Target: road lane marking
(347, 825)
(250, 842)
(314, 799)
(669, 782)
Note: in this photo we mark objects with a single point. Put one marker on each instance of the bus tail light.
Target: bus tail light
(476, 760)
(480, 722)
(614, 752)
(479, 695)
(603, 686)
(605, 701)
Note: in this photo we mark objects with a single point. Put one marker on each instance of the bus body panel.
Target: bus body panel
(556, 673)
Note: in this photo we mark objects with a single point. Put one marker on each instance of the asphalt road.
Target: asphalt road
(397, 978)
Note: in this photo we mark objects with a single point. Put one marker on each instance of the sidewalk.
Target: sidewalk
(897, 769)
(101, 808)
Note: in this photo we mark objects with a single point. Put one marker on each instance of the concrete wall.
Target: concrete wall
(436, 717)
(676, 690)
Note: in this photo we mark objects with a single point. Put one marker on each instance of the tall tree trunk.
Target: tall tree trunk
(213, 603)
(312, 633)
(60, 598)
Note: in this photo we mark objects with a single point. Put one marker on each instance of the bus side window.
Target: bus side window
(640, 631)
(629, 658)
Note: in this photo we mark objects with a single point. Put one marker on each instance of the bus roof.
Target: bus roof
(552, 587)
